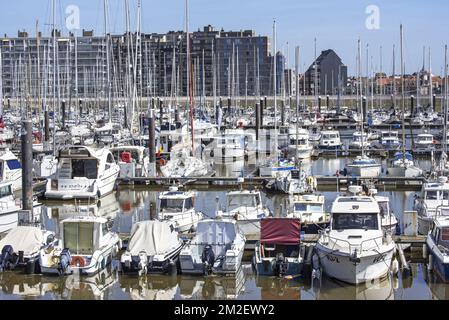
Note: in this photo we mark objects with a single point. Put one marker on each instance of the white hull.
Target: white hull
(338, 265)
(364, 170)
(408, 172)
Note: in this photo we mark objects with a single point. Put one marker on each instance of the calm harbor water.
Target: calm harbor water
(127, 206)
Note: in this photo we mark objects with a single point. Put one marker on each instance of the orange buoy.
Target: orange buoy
(78, 261)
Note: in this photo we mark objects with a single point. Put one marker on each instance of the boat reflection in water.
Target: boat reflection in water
(214, 287)
(274, 288)
(73, 287)
(331, 289)
(132, 209)
(154, 287)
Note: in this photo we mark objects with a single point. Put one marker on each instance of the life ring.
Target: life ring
(162, 162)
(78, 261)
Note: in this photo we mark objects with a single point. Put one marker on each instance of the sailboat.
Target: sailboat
(403, 165)
(363, 165)
(275, 167)
(187, 164)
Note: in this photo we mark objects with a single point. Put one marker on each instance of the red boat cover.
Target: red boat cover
(280, 231)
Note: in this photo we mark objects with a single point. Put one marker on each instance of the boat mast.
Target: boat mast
(359, 58)
(402, 94)
(108, 62)
(275, 93)
(431, 82)
(297, 61)
(1, 85)
(54, 75)
(189, 79)
(445, 109)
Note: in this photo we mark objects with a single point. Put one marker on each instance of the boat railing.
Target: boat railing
(360, 247)
(442, 210)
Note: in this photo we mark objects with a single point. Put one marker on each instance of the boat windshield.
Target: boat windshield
(78, 237)
(173, 205)
(5, 191)
(329, 136)
(307, 207)
(342, 221)
(241, 200)
(384, 208)
(84, 168)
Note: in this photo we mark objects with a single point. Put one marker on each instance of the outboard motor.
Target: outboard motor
(64, 261)
(281, 265)
(208, 258)
(7, 258)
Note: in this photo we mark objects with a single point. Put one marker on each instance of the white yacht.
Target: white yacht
(330, 141)
(309, 209)
(434, 196)
(247, 208)
(217, 248)
(390, 140)
(424, 143)
(355, 249)
(83, 173)
(10, 169)
(359, 141)
(133, 161)
(364, 166)
(108, 134)
(178, 207)
(300, 145)
(86, 246)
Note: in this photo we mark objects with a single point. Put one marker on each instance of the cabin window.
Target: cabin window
(13, 164)
(366, 221)
(237, 201)
(188, 204)
(84, 168)
(432, 195)
(308, 207)
(5, 191)
(171, 205)
(78, 237)
(104, 229)
(445, 234)
(110, 158)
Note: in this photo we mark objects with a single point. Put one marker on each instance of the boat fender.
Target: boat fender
(78, 261)
(64, 261)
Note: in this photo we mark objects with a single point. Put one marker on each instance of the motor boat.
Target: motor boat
(246, 207)
(279, 251)
(359, 141)
(424, 143)
(86, 246)
(390, 140)
(330, 141)
(295, 182)
(83, 173)
(177, 207)
(154, 247)
(309, 209)
(364, 166)
(10, 169)
(434, 196)
(437, 242)
(133, 161)
(355, 249)
(108, 134)
(21, 247)
(277, 168)
(300, 145)
(216, 248)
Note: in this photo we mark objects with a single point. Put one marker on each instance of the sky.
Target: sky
(336, 24)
